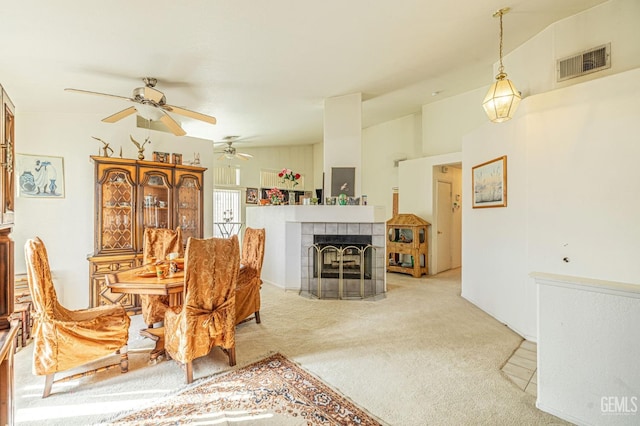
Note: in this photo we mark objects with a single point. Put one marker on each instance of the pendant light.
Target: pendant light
(503, 98)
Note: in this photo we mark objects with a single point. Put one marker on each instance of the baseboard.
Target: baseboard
(561, 414)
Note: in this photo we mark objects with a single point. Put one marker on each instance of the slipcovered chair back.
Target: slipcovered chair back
(249, 281)
(63, 338)
(43, 293)
(207, 317)
(253, 249)
(158, 243)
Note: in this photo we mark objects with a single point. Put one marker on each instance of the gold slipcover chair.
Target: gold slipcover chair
(158, 243)
(207, 317)
(249, 282)
(64, 339)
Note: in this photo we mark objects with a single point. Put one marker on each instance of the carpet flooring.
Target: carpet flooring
(421, 355)
(273, 390)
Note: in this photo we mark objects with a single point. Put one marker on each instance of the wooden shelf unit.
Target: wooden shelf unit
(131, 195)
(407, 248)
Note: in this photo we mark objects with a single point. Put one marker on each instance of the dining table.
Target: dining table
(144, 280)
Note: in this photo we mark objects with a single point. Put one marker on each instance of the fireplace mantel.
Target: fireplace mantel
(285, 239)
(322, 213)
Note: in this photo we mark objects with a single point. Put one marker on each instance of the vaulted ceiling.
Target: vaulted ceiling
(262, 67)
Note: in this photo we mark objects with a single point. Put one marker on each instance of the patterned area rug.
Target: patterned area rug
(274, 390)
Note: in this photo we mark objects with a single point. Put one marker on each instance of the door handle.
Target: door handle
(439, 232)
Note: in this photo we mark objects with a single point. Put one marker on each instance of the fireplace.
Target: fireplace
(342, 253)
(342, 267)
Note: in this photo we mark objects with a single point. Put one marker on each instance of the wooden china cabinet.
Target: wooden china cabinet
(131, 195)
(8, 330)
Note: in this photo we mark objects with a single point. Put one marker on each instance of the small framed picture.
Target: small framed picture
(176, 158)
(40, 176)
(160, 157)
(252, 196)
(489, 183)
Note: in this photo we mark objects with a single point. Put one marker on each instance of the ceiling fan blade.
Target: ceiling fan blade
(153, 94)
(244, 156)
(191, 114)
(172, 124)
(221, 157)
(87, 92)
(120, 115)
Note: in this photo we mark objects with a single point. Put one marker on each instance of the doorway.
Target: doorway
(444, 201)
(447, 226)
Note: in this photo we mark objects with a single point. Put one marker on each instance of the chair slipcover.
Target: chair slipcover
(64, 339)
(249, 282)
(207, 317)
(158, 243)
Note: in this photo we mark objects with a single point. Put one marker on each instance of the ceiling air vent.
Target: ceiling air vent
(592, 60)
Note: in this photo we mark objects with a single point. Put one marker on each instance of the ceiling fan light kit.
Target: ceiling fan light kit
(151, 104)
(503, 98)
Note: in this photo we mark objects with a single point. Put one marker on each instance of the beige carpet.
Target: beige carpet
(273, 391)
(422, 355)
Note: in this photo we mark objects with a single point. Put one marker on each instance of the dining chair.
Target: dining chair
(65, 339)
(207, 317)
(157, 244)
(249, 281)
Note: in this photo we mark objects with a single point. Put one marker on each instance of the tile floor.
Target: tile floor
(521, 368)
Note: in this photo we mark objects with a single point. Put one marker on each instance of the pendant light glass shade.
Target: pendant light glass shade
(503, 98)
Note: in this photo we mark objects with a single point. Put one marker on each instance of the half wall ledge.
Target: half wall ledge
(593, 327)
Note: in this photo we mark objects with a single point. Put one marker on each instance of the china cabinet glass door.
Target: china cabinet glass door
(188, 206)
(156, 200)
(117, 211)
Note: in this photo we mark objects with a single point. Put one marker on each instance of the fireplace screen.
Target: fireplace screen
(342, 267)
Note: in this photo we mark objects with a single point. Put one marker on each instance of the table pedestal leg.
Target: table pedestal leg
(157, 335)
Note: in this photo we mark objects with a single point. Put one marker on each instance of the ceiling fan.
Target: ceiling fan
(229, 152)
(152, 105)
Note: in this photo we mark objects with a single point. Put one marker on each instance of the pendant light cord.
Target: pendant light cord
(501, 68)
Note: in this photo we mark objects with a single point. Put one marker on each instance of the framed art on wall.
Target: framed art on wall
(40, 176)
(489, 183)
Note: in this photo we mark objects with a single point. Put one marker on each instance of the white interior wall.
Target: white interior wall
(381, 145)
(560, 204)
(576, 209)
(299, 158)
(445, 122)
(66, 225)
(494, 239)
(343, 138)
(318, 169)
(532, 68)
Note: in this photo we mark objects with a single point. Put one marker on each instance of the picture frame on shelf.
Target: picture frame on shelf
(343, 181)
(252, 196)
(40, 176)
(489, 183)
(176, 158)
(160, 157)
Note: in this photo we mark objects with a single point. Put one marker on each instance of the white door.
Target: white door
(443, 221)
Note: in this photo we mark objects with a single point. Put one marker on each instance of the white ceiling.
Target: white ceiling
(261, 67)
